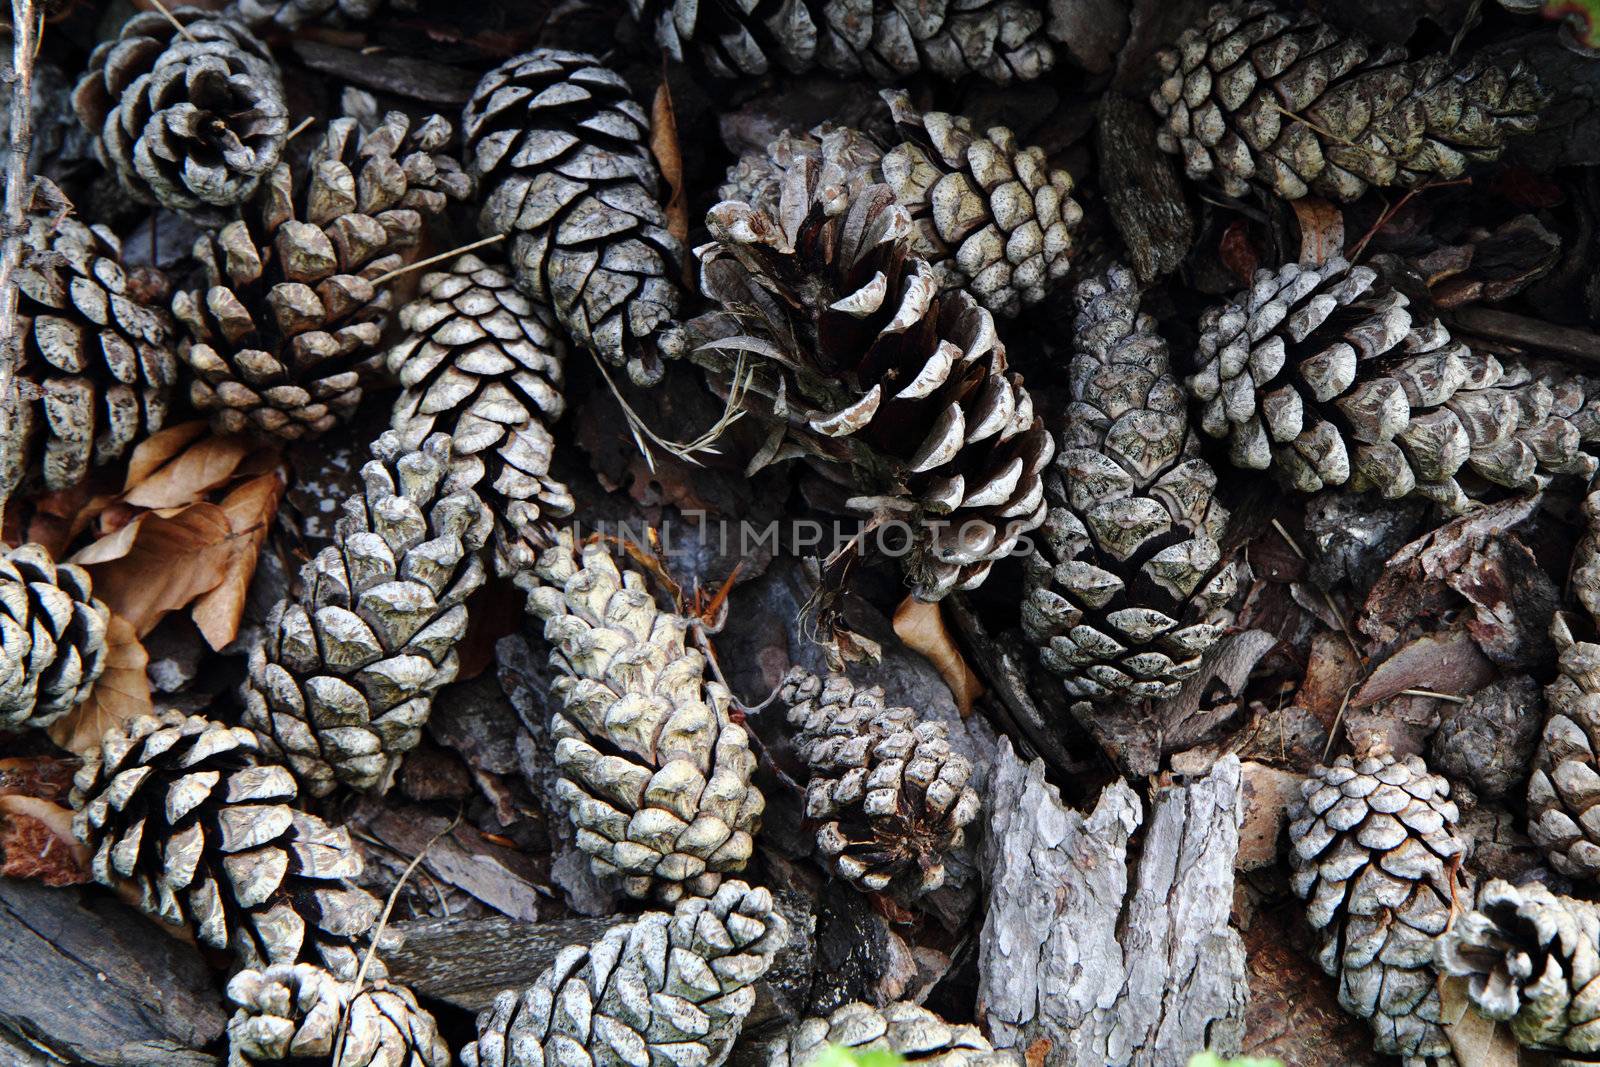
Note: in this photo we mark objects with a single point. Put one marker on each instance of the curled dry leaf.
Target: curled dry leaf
(37, 842)
(249, 509)
(1321, 230)
(669, 157)
(121, 693)
(160, 448)
(208, 464)
(921, 627)
(46, 777)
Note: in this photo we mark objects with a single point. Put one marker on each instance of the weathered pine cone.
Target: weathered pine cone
(667, 988)
(186, 812)
(560, 150)
(1375, 855)
(344, 680)
(889, 794)
(1532, 959)
(1257, 96)
(1585, 578)
(991, 216)
(655, 774)
(97, 359)
(1564, 788)
(52, 637)
(191, 119)
(287, 328)
(1323, 375)
(294, 1011)
(289, 15)
(1127, 586)
(908, 1030)
(1001, 40)
(897, 389)
(483, 363)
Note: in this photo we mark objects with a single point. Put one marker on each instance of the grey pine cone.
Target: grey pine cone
(1001, 40)
(1564, 788)
(906, 1029)
(1375, 855)
(187, 813)
(559, 147)
(898, 390)
(1323, 375)
(990, 215)
(97, 358)
(344, 680)
(295, 1011)
(1258, 96)
(1127, 585)
(483, 363)
(655, 774)
(289, 15)
(1531, 958)
(193, 120)
(667, 988)
(52, 637)
(889, 794)
(286, 331)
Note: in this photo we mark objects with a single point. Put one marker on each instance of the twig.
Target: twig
(27, 25)
(300, 128)
(1390, 212)
(1451, 697)
(459, 250)
(180, 27)
(1500, 325)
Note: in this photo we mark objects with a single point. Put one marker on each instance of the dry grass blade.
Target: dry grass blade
(644, 436)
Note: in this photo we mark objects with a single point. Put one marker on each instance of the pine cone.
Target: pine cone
(288, 326)
(663, 989)
(866, 365)
(345, 678)
(1322, 374)
(559, 147)
(654, 773)
(1288, 103)
(193, 120)
(187, 813)
(293, 1012)
(97, 357)
(52, 637)
(890, 794)
(1127, 586)
(483, 363)
(1530, 958)
(910, 1031)
(1376, 857)
(990, 216)
(1002, 40)
(289, 15)
(1562, 817)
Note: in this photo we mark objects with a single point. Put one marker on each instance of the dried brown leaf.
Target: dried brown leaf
(1449, 663)
(1321, 230)
(669, 157)
(1476, 1039)
(121, 693)
(921, 627)
(161, 562)
(1238, 251)
(46, 777)
(249, 509)
(206, 465)
(37, 842)
(160, 448)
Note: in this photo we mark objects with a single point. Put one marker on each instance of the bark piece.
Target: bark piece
(1114, 961)
(1142, 188)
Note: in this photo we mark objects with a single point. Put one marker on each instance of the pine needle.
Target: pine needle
(459, 250)
(180, 27)
(644, 436)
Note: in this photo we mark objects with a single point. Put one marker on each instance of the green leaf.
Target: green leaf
(839, 1056)
(1211, 1059)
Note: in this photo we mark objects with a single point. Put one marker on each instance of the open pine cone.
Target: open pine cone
(908, 1030)
(297, 1012)
(287, 329)
(1563, 816)
(52, 637)
(191, 119)
(1260, 96)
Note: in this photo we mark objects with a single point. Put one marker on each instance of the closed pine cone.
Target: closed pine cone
(96, 356)
(187, 813)
(1259, 96)
(52, 637)
(1323, 375)
(908, 1030)
(344, 680)
(655, 774)
(559, 147)
(192, 119)
(1375, 855)
(898, 390)
(668, 988)
(296, 1011)
(990, 215)
(483, 363)
(889, 794)
(1127, 586)
(1564, 788)
(286, 330)
(1001, 40)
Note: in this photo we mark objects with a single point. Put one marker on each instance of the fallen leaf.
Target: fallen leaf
(46, 777)
(159, 448)
(121, 693)
(1238, 251)
(1476, 1039)
(669, 157)
(921, 627)
(494, 610)
(37, 842)
(208, 464)
(1449, 663)
(1321, 230)
(249, 509)
(160, 562)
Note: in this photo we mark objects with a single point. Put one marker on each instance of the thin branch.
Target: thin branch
(27, 24)
(459, 250)
(180, 27)
(300, 127)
